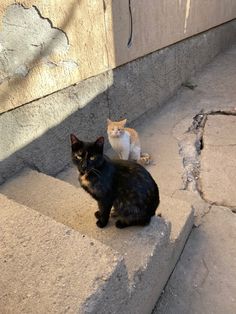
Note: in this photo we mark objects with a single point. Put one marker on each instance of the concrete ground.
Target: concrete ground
(179, 137)
(204, 280)
(192, 140)
(195, 162)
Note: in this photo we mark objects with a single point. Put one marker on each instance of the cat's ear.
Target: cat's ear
(100, 142)
(123, 122)
(109, 121)
(74, 139)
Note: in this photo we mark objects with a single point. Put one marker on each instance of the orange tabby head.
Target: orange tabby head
(115, 128)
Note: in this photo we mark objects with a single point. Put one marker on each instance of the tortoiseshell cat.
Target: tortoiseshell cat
(124, 185)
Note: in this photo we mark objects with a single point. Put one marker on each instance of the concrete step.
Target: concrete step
(150, 253)
(46, 267)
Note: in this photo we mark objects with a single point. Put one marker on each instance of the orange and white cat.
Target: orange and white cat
(125, 141)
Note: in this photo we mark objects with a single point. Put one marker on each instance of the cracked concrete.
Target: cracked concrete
(204, 280)
(208, 150)
(26, 39)
(161, 133)
(190, 145)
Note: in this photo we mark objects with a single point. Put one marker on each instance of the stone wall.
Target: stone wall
(37, 134)
(48, 45)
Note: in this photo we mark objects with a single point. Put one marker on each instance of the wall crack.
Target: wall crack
(33, 39)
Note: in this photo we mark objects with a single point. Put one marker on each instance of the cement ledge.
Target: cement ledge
(149, 253)
(47, 267)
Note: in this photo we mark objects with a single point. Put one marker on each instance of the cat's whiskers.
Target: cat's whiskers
(97, 172)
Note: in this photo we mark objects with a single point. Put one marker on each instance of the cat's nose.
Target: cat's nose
(84, 165)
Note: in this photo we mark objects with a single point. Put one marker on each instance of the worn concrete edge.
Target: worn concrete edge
(90, 102)
(110, 282)
(152, 275)
(177, 248)
(169, 256)
(193, 138)
(12, 192)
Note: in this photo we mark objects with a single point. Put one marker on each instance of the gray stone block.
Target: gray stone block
(46, 267)
(204, 280)
(149, 253)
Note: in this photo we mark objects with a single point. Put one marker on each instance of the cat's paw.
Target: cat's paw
(101, 224)
(97, 214)
(145, 160)
(120, 224)
(114, 214)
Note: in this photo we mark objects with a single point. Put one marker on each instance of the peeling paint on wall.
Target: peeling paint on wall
(26, 39)
(46, 46)
(69, 64)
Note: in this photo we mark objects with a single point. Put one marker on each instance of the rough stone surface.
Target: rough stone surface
(89, 48)
(47, 267)
(20, 48)
(37, 134)
(46, 48)
(204, 280)
(150, 253)
(161, 132)
(218, 160)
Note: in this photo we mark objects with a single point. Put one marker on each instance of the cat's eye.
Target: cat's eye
(92, 157)
(78, 157)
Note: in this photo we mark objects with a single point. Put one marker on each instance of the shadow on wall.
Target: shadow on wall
(36, 135)
(128, 91)
(133, 90)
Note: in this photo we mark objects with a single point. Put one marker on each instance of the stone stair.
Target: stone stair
(47, 267)
(49, 224)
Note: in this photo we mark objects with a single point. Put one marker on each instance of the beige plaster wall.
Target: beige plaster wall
(159, 23)
(97, 34)
(83, 23)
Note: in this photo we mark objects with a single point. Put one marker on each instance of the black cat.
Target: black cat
(125, 185)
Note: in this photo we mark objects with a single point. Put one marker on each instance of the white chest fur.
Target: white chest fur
(121, 145)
